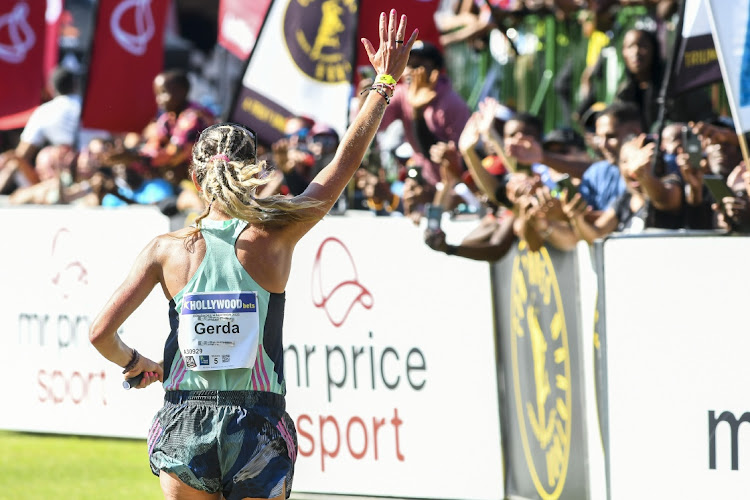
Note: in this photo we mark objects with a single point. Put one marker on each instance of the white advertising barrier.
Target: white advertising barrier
(59, 267)
(678, 371)
(587, 296)
(390, 365)
(390, 350)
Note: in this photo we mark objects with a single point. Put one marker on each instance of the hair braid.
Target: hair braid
(232, 182)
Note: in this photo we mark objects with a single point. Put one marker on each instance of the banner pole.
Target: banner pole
(666, 85)
(743, 147)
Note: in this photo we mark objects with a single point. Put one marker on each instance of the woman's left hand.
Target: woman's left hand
(393, 53)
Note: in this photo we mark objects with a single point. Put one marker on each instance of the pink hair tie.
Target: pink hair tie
(219, 157)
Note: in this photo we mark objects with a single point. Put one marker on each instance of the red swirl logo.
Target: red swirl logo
(134, 42)
(69, 274)
(16, 29)
(335, 282)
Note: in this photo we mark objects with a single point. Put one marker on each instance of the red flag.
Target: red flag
(127, 53)
(21, 53)
(239, 25)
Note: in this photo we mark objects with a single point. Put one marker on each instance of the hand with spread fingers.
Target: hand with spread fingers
(393, 53)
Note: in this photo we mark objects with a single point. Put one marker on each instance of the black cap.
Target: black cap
(428, 51)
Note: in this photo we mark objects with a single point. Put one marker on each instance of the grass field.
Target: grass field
(40, 466)
(45, 466)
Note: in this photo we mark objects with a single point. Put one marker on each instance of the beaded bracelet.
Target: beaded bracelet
(380, 90)
(133, 361)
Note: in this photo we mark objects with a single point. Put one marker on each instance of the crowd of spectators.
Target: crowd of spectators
(613, 166)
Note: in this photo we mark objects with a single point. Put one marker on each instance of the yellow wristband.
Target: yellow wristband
(387, 79)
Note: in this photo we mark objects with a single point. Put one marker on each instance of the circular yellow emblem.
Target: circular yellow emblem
(541, 370)
(319, 35)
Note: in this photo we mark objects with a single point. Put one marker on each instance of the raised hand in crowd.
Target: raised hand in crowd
(733, 212)
(636, 160)
(577, 211)
(714, 134)
(490, 185)
(529, 220)
(491, 137)
(445, 154)
(522, 148)
(692, 176)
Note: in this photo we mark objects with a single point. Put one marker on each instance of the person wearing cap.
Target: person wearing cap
(429, 108)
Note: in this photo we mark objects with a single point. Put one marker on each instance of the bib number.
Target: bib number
(219, 330)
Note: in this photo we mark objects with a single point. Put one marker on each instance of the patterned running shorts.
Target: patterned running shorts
(242, 443)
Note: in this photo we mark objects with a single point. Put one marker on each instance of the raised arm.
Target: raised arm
(389, 59)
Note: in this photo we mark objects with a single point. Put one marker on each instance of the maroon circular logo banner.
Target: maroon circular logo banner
(319, 35)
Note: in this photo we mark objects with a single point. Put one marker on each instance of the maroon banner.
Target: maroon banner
(420, 14)
(22, 31)
(127, 53)
(239, 25)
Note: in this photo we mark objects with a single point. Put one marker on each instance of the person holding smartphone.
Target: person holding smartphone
(715, 191)
(223, 430)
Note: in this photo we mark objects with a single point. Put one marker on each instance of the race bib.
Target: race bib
(219, 330)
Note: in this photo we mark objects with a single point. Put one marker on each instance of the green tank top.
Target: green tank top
(220, 271)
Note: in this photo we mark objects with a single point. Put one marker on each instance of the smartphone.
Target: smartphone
(433, 213)
(691, 144)
(565, 182)
(718, 188)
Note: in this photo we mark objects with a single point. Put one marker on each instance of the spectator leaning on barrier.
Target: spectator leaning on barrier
(721, 157)
(493, 237)
(634, 210)
(429, 108)
(602, 183)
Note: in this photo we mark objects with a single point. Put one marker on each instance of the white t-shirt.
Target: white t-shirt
(55, 122)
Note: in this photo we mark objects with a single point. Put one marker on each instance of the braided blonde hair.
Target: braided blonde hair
(229, 174)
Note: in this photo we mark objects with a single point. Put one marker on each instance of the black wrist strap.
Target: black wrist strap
(133, 361)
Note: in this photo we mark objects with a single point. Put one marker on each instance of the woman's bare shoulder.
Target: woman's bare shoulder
(169, 245)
